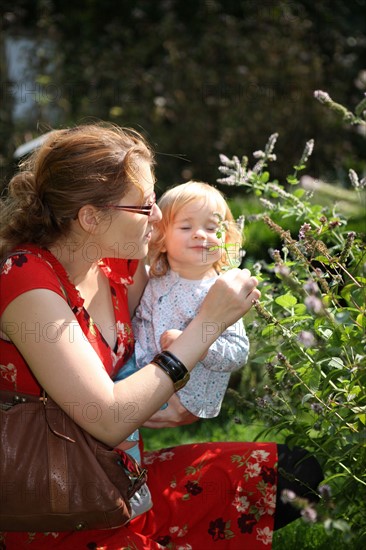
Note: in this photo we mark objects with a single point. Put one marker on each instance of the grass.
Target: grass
(302, 536)
(216, 429)
(296, 536)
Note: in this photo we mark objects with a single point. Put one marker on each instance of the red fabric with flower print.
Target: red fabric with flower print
(40, 269)
(208, 495)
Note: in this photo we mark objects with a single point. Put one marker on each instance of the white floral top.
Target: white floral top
(170, 302)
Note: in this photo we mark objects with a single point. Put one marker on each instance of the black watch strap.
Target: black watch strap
(173, 367)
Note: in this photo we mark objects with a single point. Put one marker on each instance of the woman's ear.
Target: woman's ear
(89, 218)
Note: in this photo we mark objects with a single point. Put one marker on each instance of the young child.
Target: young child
(186, 257)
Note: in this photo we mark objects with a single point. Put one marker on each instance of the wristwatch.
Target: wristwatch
(173, 367)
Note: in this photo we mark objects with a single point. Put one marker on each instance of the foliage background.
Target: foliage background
(200, 78)
(197, 77)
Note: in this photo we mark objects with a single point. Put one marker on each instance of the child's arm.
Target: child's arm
(230, 351)
(203, 394)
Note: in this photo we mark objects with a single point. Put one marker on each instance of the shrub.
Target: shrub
(309, 331)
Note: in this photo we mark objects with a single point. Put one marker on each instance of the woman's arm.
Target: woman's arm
(68, 368)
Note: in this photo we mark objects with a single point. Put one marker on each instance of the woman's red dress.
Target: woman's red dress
(207, 495)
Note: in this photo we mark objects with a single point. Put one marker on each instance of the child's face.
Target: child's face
(190, 238)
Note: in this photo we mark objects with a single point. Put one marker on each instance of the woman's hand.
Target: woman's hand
(230, 297)
(171, 417)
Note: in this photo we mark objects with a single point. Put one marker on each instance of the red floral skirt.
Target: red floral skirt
(206, 495)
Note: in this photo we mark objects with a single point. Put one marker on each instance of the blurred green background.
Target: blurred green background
(197, 77)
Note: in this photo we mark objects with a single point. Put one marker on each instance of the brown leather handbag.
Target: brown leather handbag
(54, 475)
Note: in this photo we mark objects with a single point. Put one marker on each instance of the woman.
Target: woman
(81, 212)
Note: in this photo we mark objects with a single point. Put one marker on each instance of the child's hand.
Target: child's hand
(175, 415)
(168, 337)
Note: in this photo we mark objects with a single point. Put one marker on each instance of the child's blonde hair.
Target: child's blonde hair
(171, 202)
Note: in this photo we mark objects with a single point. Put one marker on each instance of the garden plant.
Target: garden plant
(308, 334)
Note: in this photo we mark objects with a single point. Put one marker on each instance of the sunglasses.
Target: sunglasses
(146, 210)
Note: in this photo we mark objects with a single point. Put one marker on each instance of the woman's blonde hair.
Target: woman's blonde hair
(89, 164)
(171, 202)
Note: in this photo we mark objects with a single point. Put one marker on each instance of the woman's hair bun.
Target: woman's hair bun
(22, 187)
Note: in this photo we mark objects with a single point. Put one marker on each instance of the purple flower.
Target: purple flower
(268, 475)
(309, 515)
(287, 496)
(317, 408)
(193, 488)
(311, 287)
(308, 150)
(246, 523)
(321, 96)
(334, 223)
(303, 230)
(325, 492)
(20, 260)
(307, 338)
(313, 304)
(283, 270)
(217, 529)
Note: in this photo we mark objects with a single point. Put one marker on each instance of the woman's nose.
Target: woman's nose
(156, 214)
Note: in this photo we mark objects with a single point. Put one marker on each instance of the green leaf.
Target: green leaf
(307, 397)
(322, 259)
(314, 434)
(43, 79)
(361, 320)
(286, 300)
(341, 525)
(336, 362)
(292, 180)
(313, 378)
(300, 309)
(269, 330)
(265, 177)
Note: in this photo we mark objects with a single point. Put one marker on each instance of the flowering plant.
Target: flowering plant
(309, 332)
